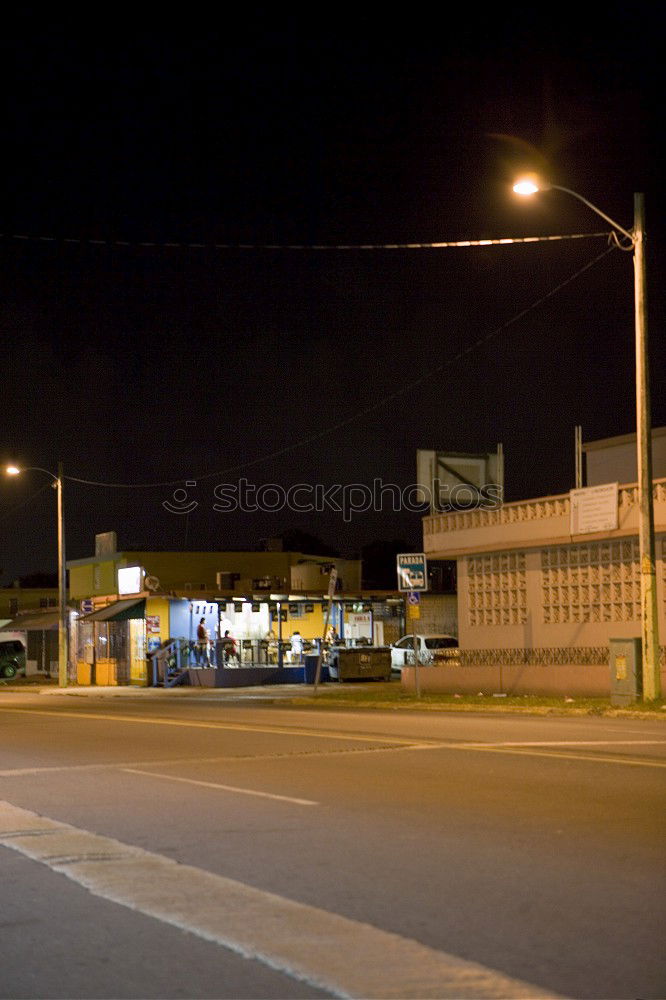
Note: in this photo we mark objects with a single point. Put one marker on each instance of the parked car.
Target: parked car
(431, 651)
(12, 658)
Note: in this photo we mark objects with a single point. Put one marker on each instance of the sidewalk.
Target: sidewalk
(266, 692)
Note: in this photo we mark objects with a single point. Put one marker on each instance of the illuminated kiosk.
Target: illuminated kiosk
(140, 611)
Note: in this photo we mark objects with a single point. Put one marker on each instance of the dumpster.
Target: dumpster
(360, 663)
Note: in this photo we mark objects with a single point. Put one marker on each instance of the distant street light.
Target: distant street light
(649, 618)
(63, 645)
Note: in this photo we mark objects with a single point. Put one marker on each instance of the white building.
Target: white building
(542, 589)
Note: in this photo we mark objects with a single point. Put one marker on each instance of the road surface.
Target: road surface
(220, 847)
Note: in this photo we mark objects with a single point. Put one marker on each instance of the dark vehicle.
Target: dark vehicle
(12, 658)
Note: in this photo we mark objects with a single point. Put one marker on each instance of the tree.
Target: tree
(39, 580)
(296, 540)
(379, 562)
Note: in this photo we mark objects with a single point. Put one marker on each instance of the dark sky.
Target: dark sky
(156, 364)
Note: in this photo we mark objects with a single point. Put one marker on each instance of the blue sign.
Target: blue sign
(412, 571)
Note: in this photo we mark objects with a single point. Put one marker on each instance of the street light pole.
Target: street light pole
(63, 645)
(649, 613)
(63, 630)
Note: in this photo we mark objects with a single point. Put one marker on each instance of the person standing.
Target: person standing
(296, 647)
(203, 644)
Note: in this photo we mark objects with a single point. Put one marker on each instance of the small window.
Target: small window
(43, 602)
(11, 646)
(442, 642)
(13, 605)
(53, 603)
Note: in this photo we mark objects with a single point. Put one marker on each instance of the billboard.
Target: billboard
(449, 480)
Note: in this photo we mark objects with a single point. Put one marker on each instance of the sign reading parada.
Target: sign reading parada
(412, 571)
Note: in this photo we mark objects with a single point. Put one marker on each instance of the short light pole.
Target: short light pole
(63, 631)
(649, 613)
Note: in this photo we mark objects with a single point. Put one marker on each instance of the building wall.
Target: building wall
(531, 593)
(438, 614)
(554, 596)
(196, 572)
(614, 459)
(13, 600)
(91, 577)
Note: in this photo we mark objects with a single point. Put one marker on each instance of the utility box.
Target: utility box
(626, 671)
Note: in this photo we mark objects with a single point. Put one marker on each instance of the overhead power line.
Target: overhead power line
(407, 387)
(184, 245)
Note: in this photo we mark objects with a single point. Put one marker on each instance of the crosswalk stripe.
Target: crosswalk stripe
(348, 958)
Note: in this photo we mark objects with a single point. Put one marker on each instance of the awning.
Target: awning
(33, 622)
(119, 611)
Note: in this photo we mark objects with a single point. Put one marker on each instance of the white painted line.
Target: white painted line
(348, 958)
(555, 754)
(224, 788)
(20, 772)
(571, 743)
(240, 727)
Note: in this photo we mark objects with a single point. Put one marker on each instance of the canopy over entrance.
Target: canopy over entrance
(119, 611)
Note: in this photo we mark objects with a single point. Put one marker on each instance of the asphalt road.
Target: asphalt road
(214, 847)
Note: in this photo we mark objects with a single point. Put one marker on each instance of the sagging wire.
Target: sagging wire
(369, 409)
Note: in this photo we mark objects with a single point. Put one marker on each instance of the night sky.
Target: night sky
(142, 361)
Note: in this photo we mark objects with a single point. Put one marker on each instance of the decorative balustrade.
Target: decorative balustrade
(540, 509)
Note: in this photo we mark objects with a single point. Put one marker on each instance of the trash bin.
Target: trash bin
(310, 668)
(368, 663)
(626, 671)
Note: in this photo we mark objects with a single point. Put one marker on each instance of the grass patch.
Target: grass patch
(392, 696)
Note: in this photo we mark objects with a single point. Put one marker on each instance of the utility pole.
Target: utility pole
(649, 616)
(63, 645)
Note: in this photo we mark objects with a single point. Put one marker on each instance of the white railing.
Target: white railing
(528, 510)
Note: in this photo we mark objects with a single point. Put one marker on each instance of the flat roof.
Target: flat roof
(622, 439)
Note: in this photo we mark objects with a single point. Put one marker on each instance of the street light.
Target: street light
(649, 618)
(13, 470)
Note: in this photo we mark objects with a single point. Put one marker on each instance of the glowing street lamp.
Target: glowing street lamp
(636, 237)
(13, 470)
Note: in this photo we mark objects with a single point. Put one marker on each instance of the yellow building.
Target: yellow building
(16, 600)
(134, 602)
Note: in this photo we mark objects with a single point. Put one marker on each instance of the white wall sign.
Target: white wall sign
(130, 580)
(593, 509)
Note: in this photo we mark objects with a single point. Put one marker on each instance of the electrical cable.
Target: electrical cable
(24, 503)
(175, 245)
(369, 409)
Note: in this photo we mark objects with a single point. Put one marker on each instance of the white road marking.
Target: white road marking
(19, 772)
(348, 958)
(225, 788)
(388, 744)
(558, 754)
(571, 743)
(231, 726)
